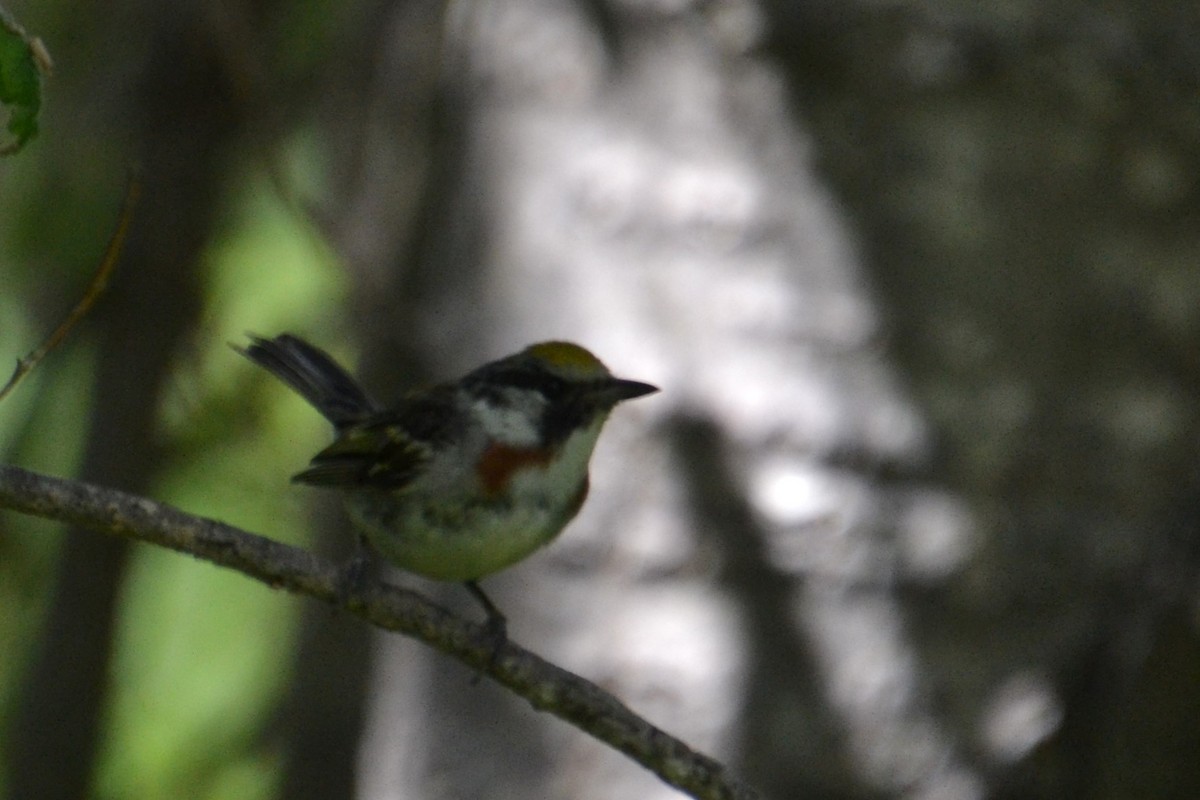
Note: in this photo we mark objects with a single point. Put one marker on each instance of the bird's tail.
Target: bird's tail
(313, 374)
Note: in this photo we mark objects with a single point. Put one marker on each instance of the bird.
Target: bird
(464, 478)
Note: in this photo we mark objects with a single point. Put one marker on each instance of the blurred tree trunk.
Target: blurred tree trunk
(1025, 182)
(585, 181)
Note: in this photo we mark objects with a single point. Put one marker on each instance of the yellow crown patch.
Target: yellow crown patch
(569, 359)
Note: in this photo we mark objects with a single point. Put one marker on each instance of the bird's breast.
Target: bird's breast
(549, 475)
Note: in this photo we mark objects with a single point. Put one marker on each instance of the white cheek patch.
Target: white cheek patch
(515, 424)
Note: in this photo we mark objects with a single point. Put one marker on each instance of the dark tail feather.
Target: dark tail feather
(312, 373)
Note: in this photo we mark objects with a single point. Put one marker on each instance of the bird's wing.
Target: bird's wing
(387, 450)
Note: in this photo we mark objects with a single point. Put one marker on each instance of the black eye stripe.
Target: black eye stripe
(492, 384)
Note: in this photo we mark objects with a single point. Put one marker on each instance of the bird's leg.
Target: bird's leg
(354, 572)
(497, 624)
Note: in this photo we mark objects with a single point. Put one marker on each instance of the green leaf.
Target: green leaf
(23, 61)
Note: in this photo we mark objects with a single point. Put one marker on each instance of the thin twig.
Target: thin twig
(544, 685)
(91, 294)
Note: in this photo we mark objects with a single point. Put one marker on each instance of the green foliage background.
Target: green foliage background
(202, 654)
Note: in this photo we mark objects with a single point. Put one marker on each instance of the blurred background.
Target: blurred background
(915, 515)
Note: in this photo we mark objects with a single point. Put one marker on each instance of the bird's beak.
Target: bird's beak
(616, 390)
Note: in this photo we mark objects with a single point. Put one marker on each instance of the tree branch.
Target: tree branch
(545, 686)
(94, 290)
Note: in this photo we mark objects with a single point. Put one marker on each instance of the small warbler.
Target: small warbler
(467, 477)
